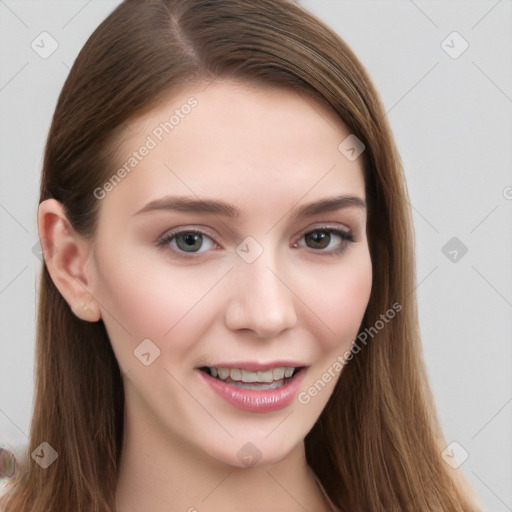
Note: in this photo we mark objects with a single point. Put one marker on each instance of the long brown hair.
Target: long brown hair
(377, 444)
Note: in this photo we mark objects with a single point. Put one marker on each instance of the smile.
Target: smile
(255, 391)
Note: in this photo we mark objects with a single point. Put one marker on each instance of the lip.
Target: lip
(254, 366)
(253, 400)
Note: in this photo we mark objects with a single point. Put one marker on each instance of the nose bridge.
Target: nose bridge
(260, 300)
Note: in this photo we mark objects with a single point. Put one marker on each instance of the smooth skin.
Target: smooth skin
(267, 152)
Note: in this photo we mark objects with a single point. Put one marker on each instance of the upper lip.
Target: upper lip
(254, 366)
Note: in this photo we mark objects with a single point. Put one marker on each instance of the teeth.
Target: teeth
(235, 374)
(223, 373)
(250, 376)
(267, 376)
(259, 387)
(279, 373)
(288, 372)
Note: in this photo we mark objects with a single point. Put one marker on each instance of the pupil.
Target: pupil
(192, 241)
(318, 237)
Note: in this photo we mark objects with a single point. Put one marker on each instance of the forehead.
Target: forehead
(249, 144)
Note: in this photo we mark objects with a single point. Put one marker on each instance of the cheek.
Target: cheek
(339, 299)
(152, 301)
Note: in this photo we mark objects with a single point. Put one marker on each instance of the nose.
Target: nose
(261, 301)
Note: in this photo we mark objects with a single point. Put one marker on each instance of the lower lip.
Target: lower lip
(254, 400)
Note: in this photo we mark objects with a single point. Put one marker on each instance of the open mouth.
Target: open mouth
(269, 379)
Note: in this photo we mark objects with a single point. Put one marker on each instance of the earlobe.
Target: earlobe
(89, 312)
(66, 253)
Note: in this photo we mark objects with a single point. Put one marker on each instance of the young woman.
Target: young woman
(227, 318)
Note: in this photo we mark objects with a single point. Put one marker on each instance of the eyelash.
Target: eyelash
(346, 237)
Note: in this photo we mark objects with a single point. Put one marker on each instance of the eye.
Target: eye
(325, 237)
(186, 241)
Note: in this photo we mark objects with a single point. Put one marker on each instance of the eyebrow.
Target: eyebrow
(213, 206)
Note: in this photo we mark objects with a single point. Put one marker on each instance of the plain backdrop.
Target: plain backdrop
(443, 71)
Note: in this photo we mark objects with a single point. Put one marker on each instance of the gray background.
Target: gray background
(452, 121)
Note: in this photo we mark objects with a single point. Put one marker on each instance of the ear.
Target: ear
(66, 253)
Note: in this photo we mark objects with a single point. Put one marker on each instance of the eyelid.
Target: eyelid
(188, 229)
(328, 225)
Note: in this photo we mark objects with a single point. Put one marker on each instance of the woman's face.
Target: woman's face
(265, 282)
